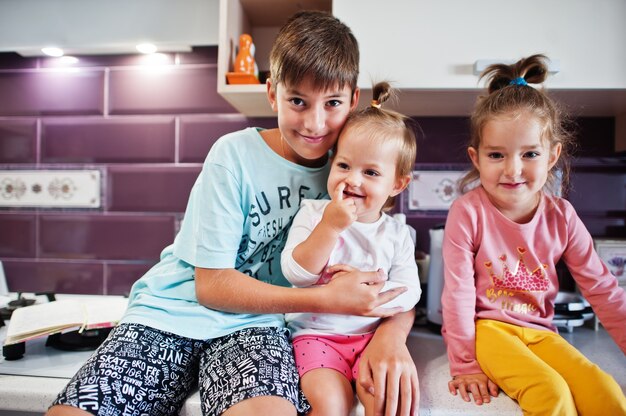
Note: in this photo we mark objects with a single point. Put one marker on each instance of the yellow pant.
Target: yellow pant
(544, 373)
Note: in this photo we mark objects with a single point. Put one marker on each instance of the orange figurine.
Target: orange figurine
(244, 62)
(244, 65)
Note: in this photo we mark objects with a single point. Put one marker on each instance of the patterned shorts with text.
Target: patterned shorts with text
(139, 370)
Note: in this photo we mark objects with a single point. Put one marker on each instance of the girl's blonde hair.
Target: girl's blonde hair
(377, 123)
(509, 93)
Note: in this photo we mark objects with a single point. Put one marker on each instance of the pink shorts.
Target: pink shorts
(338, 352)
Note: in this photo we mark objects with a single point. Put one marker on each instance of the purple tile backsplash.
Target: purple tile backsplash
(442, 139)
(119, 277)
(148, 129)
(162, 188)
(54, 276)
(52, 92)
(96, 236)
(174, 90)
(198, 133)
(99, 140)
(116, 114)
(17, 235)
(18, 141)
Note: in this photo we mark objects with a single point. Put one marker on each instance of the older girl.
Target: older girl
(502, 241)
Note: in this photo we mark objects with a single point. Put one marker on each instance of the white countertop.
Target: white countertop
(32, 383)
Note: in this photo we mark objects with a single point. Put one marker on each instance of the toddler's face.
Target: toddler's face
(310, 120)
(367, 168)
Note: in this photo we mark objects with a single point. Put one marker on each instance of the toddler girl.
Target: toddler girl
(374, 158)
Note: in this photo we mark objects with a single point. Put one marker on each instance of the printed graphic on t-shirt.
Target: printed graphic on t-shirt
(269, 219)
(520, 289)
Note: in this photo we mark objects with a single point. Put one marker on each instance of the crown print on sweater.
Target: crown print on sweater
(521, 280)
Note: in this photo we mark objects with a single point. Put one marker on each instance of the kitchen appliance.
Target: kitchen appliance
(4, 290)
(571, 310)
(435, 278)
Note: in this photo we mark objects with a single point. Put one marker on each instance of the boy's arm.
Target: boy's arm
(354, 293)
(313, 252)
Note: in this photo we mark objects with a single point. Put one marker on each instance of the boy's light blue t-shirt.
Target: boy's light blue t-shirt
(238, 216)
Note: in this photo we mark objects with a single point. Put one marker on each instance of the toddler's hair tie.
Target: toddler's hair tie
(518, 81)
(375, 104)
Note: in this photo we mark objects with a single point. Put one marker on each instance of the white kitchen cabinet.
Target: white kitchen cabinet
(106, 27)
(261, 20)
(429, 47)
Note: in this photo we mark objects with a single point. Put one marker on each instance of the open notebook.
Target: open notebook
(64, 315)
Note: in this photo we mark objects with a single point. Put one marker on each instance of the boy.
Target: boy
(211, 310)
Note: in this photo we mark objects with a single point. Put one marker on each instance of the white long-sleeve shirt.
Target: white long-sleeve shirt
(385, 244)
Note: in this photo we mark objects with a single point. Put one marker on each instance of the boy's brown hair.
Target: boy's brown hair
(318, 45)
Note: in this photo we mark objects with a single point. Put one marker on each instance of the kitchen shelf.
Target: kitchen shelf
(261, 20)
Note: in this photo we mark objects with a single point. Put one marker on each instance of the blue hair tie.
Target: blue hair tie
(518, 81)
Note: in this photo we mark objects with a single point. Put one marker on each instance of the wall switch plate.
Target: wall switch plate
(50, 188)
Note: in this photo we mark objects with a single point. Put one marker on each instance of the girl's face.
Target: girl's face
(367, 167)
(513, 162)
(310, 120)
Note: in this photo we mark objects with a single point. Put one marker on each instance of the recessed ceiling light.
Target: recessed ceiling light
(68, 60)
(146, 48)
(52, 51)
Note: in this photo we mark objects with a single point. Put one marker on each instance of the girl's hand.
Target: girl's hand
(340, 212)
(353, 292)
(387, 370)
(481, 387)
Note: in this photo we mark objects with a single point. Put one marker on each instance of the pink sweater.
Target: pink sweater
(498, 269)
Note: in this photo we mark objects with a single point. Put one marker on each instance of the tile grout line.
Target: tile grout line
(37, 235)
(38, 130)
(177, 140)
(105, 95)
(105, 282)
